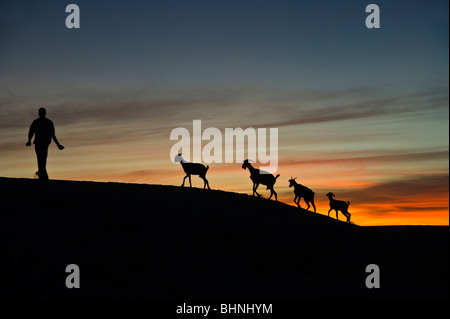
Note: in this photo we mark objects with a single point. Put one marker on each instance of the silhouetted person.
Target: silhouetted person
(43, 131)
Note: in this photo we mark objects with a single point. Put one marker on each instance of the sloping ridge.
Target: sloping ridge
(155, 241)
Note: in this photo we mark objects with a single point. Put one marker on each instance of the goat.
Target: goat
(339, 205)
(261, 177)
(193, 169)
(302, 191)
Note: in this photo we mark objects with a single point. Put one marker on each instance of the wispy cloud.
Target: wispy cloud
(422, 191)
(358, 104)
(253, 107)
(402, 157)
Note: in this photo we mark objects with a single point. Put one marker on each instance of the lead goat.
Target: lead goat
(261, 177)
(193, 169)
(302, 191)
(339, 205)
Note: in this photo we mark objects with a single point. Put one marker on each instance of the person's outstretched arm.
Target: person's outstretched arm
(61, 147)
(30, 134)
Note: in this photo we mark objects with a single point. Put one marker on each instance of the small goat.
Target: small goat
(193, 169)
(339, 205)
(261, 177)
(302, 191)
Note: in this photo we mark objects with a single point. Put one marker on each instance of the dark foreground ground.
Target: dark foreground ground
(150, 241)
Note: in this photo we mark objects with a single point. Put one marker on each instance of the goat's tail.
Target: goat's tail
(348, 203)
(207, 167)
(277, 176)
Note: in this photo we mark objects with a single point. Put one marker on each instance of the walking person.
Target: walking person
(44, 131)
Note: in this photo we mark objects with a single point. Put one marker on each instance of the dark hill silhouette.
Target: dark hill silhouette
(154, 241)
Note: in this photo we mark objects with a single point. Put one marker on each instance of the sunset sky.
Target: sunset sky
(361, 112)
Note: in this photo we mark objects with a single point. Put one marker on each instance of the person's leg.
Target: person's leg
(41, 153)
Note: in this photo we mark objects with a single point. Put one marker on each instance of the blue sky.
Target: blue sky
(180, 44)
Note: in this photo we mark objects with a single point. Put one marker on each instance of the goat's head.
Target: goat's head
(330, 195)
(292, 181)
(178, 158)
(246, 164)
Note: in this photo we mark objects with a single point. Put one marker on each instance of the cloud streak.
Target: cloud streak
(414, 196)
(356, 104)
(254, 106)
(373, 160)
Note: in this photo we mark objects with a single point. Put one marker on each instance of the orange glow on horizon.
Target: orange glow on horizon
(385, 187)
(399, 211)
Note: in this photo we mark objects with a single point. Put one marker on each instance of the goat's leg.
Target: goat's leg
(348, 217)
(190, 183)
(205, 182)
(255, 186)
(307, 203)
(337, 215)
(296, 201)
(271, 193)
(182, 185)
(329, 212)
(312, 202)
(275, 193)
